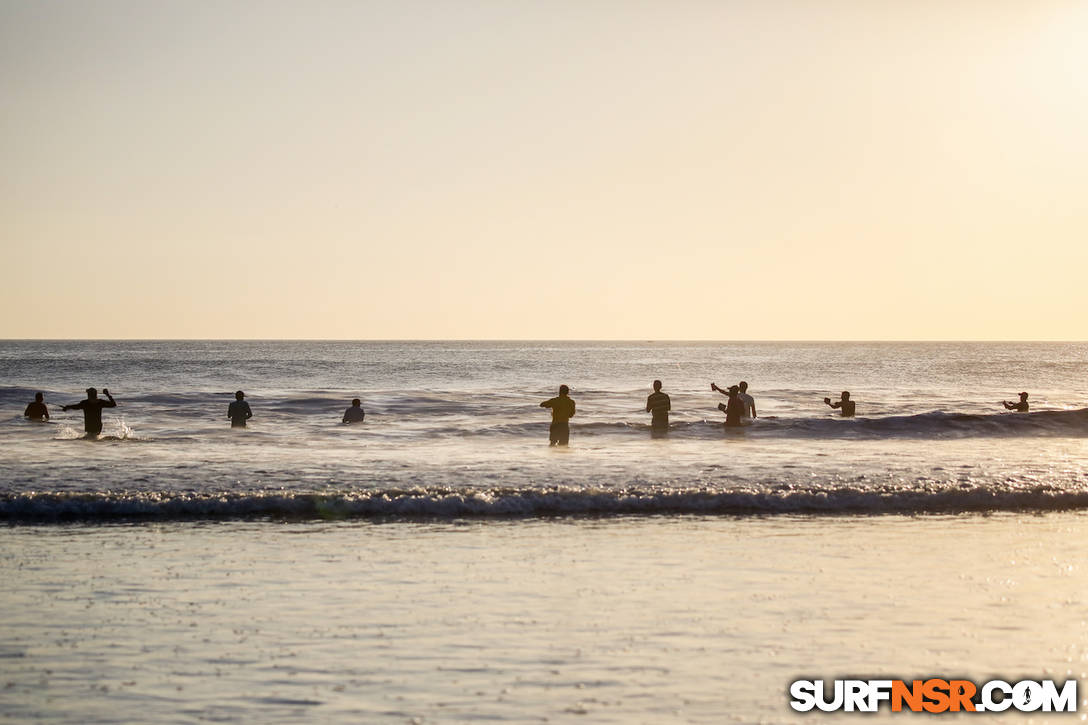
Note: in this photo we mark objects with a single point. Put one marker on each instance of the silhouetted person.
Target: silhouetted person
(734, 409)
(92, 410)
(355, 413)
(747, 401)
(562, 411)
(844, 404)
(658, 405)
(37, 411)
(239, 411)
(1021, 407)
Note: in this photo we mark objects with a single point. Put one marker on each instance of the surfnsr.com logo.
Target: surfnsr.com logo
(933, 695)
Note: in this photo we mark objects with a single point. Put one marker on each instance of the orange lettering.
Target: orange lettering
(936, 691)
(911, 695)
(961, 692)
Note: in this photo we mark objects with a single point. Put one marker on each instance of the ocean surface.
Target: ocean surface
(455, 429)
(442, 563)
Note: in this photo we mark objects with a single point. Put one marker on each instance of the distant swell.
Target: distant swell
(525, 503)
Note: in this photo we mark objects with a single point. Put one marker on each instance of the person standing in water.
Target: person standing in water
(734, 409)
(844, 403)
(1021, 407)
(355, 413)
(37, 411)
(658, 405)
(92, 410)
(239, 411)
(562, 411)
(747, 401)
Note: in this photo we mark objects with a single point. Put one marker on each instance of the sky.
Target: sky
(544, 169)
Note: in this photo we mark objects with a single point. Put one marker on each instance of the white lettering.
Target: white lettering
(1027, 696)
(879, 691)
(1065, 701)
(821, 697)
(803, 693)
(856, 696)
(988, 702)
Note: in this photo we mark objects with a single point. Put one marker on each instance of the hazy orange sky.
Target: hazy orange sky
(545, 169)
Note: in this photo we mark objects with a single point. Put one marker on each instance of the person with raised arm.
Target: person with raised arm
(92, 410)
(734, 409)
(743, 408)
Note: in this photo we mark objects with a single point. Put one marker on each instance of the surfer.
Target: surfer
(239, 411)
(658, 405)
(92, 410)
(844, 403)
(1021, 407)
(355, 413)
(37, 411)
(747, 401)
(734, 409)
(562, 411)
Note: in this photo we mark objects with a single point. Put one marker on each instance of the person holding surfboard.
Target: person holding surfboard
(92, 410)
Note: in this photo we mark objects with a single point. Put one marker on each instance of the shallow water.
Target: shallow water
(441, 563)
(623, 619)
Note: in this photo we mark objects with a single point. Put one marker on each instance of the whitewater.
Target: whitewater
(441, 563)
(455, 429)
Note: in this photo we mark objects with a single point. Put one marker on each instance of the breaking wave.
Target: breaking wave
(921, 498)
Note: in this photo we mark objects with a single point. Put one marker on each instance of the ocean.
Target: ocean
(440, 562)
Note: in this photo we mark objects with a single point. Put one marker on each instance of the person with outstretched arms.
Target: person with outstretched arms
(843, 403)
(1021, 407)
(92, 410)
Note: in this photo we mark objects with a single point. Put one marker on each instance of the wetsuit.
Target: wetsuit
(37, 411)
(659, 405)
(92, 413)
(239, 413)
(562, 411)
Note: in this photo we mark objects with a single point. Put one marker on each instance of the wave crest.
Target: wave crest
(528, 503)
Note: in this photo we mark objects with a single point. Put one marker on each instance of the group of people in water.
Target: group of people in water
(91, 406)
(739, 407)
